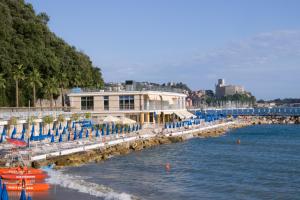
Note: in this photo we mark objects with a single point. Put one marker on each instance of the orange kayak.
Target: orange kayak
(28, 187)
(23, 176)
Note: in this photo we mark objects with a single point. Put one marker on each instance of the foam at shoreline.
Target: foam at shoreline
(77, 183)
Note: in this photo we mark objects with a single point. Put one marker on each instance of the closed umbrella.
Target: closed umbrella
(49, 132)
(13, 132)
(53, 126)
(0, 187)
(75, 135)
(97, 132)
(60, 127)
(121, 129)
(64, 130)
(69, 137)
(107, 130)
(80, 134)
(24, 129)
(29, 198)
(23, 195)
(102, 131)
(56, 133)
(60, 138)
(22, 136)
(4, 195)
(73, 125)
(87, 133)
(52, 139)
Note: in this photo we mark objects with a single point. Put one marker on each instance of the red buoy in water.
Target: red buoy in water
(238, 141)
(168, 166)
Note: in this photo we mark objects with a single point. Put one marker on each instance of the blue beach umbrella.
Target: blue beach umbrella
(67, 126)
(23, 129)
(29, 198)
(60, 127)
(64, 130)
(23, 195)
(170, 125)
(102, 131)
(32, 135)
(52, 139)
(73, 125)
(22, 136)
(56, 133)
(137, 127)
(128, 129)
(93, 128)
(4, 195)
(125, 129)
(49, 133)
(53, 126)
(80, 134)
(69, 137)
(117, 130)
(87, 133)
(97, 132)
(75, 135)
(14, 132)
(107, 130)
(4, 132)
(41, 128)
(0, 187)
(60, 138)
(121, 129)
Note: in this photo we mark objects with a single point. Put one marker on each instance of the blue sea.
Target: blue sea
(265, 165)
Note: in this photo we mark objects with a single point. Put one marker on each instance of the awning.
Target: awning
(125, 120)
(180, 114)
(166, 112)
(168, 98)
(154, 97)
(188, 114)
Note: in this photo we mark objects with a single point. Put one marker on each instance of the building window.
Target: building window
(106, 102)
(87, 103)
(126, 102)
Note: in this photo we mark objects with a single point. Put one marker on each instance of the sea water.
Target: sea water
(265, 165)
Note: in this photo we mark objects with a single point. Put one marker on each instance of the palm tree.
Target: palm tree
(2, 87)
(2, 81)
(35, 80)
(51, 88)
(18, 74)
(63, 83)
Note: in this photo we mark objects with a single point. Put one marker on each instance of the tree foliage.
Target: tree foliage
(25, 40)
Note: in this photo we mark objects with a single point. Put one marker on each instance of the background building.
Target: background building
(223, 90)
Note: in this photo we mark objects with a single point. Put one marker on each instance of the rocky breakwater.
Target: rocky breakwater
(98, 155)
(276, 120)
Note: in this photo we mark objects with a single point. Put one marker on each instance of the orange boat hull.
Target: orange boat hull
(33, 187)
(15, 170)
(23, 176)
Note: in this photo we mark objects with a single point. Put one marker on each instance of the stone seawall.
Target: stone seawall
(104, 153)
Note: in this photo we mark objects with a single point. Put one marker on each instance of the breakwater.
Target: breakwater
(124, 146)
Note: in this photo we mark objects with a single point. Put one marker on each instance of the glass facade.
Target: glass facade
(106, 102)
(87, 103)
(126, 102)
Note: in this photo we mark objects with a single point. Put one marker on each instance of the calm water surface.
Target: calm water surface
(266, 165)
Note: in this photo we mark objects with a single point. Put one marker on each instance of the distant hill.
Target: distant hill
(34, 58)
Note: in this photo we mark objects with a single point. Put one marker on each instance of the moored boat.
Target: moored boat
(23, 176)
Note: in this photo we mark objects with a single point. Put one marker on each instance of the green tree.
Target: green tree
(51, 88)
(18, 74)
(34, 80)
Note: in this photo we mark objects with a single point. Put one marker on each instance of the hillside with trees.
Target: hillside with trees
(34, 62)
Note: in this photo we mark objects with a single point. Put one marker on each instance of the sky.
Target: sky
(254, 43)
